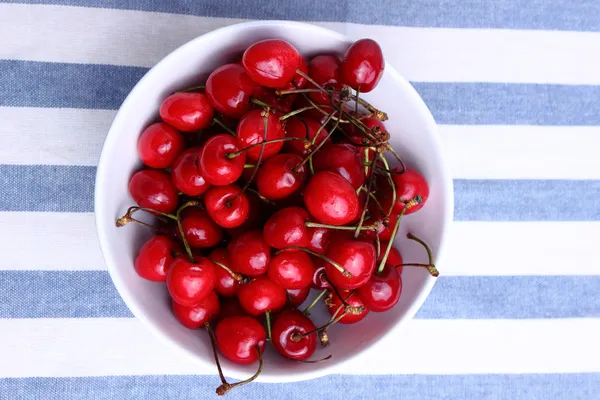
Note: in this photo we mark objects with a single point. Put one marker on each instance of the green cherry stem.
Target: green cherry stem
(364, 211)
(392, 185)
(314, 302)
(295, 112)
(323, 257)
(263, 143)
(128, 217)
(374, 227)
(234, 275)
(188, 250)
(213, 344)
(268, 319)
(431, 266)
(222, 125)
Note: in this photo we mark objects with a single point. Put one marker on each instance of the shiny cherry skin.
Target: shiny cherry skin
(251, 130)
(151, 188)
(278, 179)
(237, 338)
(408, 185)
(154, 258)
(291, 270)
(194, 317)
(298, 82)
(159, 145)
(287, 228)
(324, 70)
(394, 257)
(343, 159)
(249, 253)
(260, 295)
(186, 174)
(331, 199)
(362, 65)
(319, 278)
(227, 206)
(271, 62)
(190, 283)
(187, 112)
(256, 215)
(355, 256)
(199, 229)
(225, 285)
(335, 305)
(305, 128)
(285, 325)
(215, 165)
(228, 89)
(297, 296)
(381, 292)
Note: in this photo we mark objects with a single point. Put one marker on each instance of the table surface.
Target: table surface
(515, 87)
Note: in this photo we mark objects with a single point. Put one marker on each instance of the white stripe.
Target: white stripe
(100, 347)
(64, 34)
(68, 242)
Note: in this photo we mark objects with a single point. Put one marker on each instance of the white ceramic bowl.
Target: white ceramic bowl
(414, 136)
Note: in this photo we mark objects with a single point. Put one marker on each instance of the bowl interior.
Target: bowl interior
(413, 136)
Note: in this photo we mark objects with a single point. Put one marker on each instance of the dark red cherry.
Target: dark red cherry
(225, 285)
(256, 215)
(159, 145)
(227, 206)
(261, 295)
(355, 256)
(188, 112)
(186, 175)
(291, 270)
(194, 317)
(251, 130)
(286, 228)
(343, 159)
(305, 128)
(324, 70)
(335, 307)
(238, 337)
(394, 257)
(381, 292)
(249, 253)
(230, 307)
(408, 185)
(228, 89)
(288, 326)
(216, 165)
(278, 178)
(154, 258)
(190, 283)
(362, 65)
(199, 229)
(152, 188)
(319, 238)
(331, 199)
(271, 62)
(297, 296)
(279, 104)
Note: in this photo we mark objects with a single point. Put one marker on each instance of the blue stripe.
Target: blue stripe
(71, 189)
(91, 294)
(582, 386)
(583, 15)
(39, 84)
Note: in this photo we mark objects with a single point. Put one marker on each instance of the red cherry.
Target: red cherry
(324, 70)
(279, 104)
(362, 65)
(188, 112)
(228, 89)
(343, 159)
(190, 283)
(215, 165)
(287, 327)
(261, 295)
(278, 178)
(335, 306)
(186, 175)
(381, 292)
(305, 128)
(251, 130)
(355, 256)
(286, 228)
(319, 279)
(230, 307)
(237, 338)
(291, 270)
(195, 317)
(319, 238)
(331, 199)
(199, 229)
(227, 206)
(154, 258)
(394, 257)
(159, 145)
(299, 81)
(256, 215)
(386, 232)
(297, 296)
(225, 285)
(249, 253)
(408, 185)
(271, 62)
(152, 188)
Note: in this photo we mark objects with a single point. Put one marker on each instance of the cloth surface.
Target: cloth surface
(515, 88)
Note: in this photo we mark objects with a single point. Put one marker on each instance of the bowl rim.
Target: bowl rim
(102, 224)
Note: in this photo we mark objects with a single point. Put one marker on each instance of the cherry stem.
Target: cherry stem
(323, 257)
(373, 197)
(357, 101)
(429, 267)
(234, 275)
(320, 109)
(192, 89)
(295, 112)
(365, 207)
(240, 151)
(429, 255)
(314, 302)
(392, 185)
(188, 250)
(296, 337)
(213, 344)
(222, 125)
(374, 227)
(265, 115)
(377, 245)
(268, 319)
(397, 156)
(414, 201)
(226, 387)
(389, 171)
(337, 292)
(380, 115)
(260, 196)
(323, 125)
(127, 218)
(264, 105)
(294, 91)
(311, 80)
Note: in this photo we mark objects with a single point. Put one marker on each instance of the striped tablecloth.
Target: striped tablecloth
(515, 87)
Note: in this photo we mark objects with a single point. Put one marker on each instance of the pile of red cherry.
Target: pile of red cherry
(268, 180)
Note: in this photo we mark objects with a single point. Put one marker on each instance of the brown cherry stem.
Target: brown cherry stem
(429, 267)
(260, 196)
(373, 227)
(128, 217)
(188, 250)
(323, 125)
(240, 151)
(249, 166)
(357, 102)
(295, 112)
(314, 302)
(323, 257)
(264, 105)
(377, 245)
(427, 249)
(226, 387)
(392, 185)
(320, 109)
(397, 156)
(365, 207)
(373, 198)
(389, 171)
(222, 125)
(213, 344)
(294, 91)
(234, 275)
(380, 115)
(296, 337)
